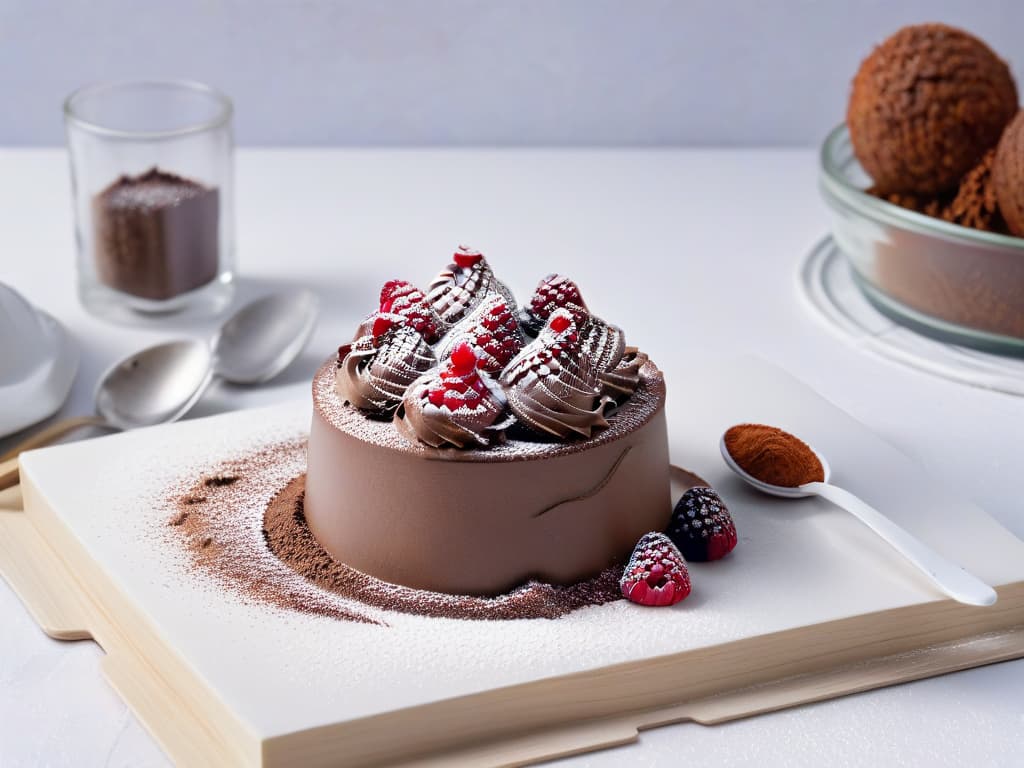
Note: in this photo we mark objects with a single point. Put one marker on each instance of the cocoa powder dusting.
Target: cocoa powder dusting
(276, 560)
(773, 456)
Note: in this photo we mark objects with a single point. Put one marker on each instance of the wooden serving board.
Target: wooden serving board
(810, 606)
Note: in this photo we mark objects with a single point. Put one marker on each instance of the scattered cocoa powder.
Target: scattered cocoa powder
(222, 534)
(289, 538)
(269, 554)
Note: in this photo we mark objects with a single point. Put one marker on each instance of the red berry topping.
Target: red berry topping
(391, 289)
(403, 298)
(459, 384)
(494, 335)
(556, 292)
(463, 358)
(436, 396)
(701, 526)
(656, 573)
(466, 257)
(381, 325)
(559, 323)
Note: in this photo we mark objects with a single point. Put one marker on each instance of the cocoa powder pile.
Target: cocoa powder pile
(773, 456)
(156, 234)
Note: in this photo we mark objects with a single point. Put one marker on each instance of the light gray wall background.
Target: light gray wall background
(451, 72)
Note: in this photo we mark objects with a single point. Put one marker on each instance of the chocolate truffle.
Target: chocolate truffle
(929, 205)
(925, 107)
(975, 204)
(1008, 175)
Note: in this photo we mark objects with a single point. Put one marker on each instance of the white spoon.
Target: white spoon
(948, 576)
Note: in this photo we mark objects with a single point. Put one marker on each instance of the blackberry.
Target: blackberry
(701, 526)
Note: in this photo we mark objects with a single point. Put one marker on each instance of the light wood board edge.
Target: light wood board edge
(197, 729)
(658, 683)
(617, 731)
(187, 718)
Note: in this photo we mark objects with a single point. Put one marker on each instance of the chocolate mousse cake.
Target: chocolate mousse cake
(461, 445)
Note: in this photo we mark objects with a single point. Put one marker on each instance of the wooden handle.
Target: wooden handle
(8, 473)
(51, 433)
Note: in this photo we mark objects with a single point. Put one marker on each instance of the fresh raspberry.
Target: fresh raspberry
(463, 358)
(459, 383)
(466, 257)
(701, 526)
(495, 336)
(554, 292)
(560, 323)
(656, 573)
(403, 298)
(381, 325)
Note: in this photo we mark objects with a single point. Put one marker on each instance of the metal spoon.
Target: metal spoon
(162, 383)
(262, 338)
(948, 576)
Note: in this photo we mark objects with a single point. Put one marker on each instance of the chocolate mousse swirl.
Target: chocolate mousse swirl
(438, 427)
(459, 288)
(553, 386)
(455, 405)
(377, 368)
(617, 365)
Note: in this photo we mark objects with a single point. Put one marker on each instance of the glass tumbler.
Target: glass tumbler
(152, 186)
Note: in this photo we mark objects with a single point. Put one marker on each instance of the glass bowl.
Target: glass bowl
(959, 285)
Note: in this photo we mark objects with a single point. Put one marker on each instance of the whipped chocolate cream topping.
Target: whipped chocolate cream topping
(559, 386)
(454, 406)
(617, 365)
(552, 385)
(379, 366)
(456, 290)
(621, 381)
(492, 329)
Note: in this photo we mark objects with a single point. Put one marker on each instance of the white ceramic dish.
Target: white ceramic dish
(38, 362)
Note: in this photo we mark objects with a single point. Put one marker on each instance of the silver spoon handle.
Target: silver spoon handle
(950, 577)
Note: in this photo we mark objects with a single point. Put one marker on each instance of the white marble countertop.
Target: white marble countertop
(694, 251)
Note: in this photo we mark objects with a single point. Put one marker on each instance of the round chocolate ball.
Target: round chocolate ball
(1008, 175)
(925, 106)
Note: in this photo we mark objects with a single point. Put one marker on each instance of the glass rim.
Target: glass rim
(222, 100)
(837, 183)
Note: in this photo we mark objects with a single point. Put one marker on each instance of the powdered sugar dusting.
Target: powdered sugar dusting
(243, 525)
(634, 413)
(219, 518)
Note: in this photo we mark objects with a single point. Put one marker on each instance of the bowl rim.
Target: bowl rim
(834, 184)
